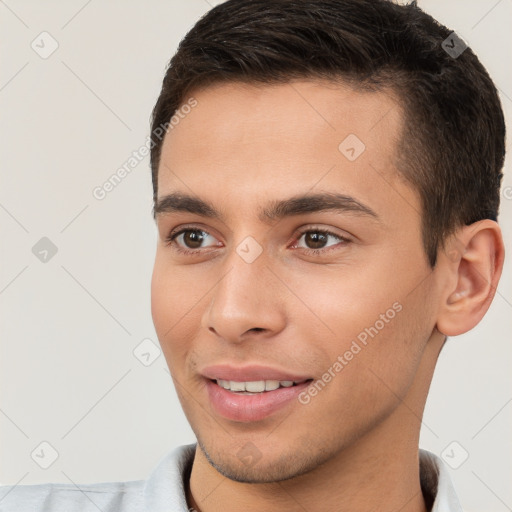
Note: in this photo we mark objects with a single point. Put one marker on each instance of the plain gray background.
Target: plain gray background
(70, 325)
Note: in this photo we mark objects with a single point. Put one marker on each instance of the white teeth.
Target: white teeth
(223, 383)
(257, 386)
(270, 385)
(236, 386)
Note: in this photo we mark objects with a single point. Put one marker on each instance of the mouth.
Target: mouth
(253, 401)
(256, 387)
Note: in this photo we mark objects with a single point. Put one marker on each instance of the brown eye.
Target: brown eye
(315, 239)
(193, 238)
(191, 241)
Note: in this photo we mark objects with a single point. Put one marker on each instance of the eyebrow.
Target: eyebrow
(274, 210)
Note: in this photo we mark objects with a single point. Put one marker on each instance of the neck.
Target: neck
(380, 471)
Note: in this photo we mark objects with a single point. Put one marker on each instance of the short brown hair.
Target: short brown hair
(453, 146)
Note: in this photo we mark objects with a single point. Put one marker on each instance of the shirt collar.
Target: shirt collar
(165, 488)
(436, 484)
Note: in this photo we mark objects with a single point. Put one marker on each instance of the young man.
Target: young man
(326, 183)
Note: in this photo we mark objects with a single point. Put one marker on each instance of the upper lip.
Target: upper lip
(250, 373)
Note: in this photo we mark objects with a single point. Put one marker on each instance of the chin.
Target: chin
(268, 467)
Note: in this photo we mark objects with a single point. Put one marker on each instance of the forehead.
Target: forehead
(291, 136)
(321, 102)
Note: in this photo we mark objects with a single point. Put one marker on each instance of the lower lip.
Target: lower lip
(246, 408)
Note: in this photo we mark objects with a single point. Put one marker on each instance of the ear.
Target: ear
(473, 261)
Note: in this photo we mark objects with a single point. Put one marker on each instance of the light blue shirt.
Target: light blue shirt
(164, 490)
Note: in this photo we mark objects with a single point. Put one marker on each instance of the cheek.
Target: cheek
(371, 319)
(174, 309)
(162, 301)
(342, 302)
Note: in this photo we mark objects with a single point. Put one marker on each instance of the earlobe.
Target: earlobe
(473, 259)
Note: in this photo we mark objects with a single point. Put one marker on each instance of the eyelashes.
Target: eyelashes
(173, 241)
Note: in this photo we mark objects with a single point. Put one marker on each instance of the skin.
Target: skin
(356, 440)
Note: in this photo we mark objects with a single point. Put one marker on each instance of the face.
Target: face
(331, 297)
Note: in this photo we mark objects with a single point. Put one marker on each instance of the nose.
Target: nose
(245, 301)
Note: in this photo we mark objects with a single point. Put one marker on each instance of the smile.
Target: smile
(257, 386)
(252, 401)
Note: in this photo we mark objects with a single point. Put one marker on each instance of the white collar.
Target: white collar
(436, 483)
(165, 488)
